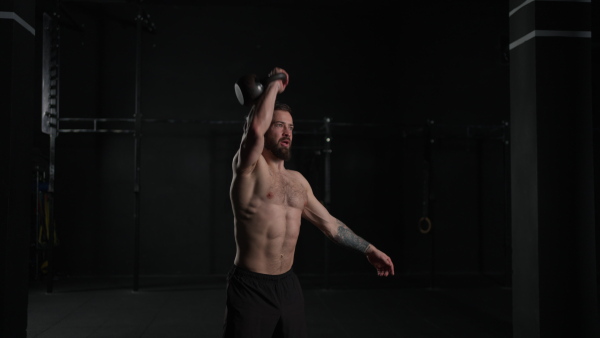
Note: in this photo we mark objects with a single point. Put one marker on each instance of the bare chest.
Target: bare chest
(285, 190)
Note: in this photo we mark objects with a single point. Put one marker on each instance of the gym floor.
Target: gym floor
(193, 307)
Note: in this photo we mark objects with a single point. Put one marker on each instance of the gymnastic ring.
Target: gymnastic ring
(426, 220)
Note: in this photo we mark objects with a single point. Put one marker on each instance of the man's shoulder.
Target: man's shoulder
(296, 174)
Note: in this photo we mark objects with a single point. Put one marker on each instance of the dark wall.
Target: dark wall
(596, 121)
(378, 72)
(17, 78)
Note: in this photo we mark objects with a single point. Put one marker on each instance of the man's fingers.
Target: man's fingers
(385, 266)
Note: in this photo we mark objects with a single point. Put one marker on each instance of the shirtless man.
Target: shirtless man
(264, 297)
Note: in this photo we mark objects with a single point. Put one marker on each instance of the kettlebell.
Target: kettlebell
(249, 87)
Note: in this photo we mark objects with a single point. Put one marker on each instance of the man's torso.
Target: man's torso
(267, 206)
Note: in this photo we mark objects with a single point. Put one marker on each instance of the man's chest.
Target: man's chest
(284, 189)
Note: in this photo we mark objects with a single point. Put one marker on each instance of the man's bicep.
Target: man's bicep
(316, 213)
(248, 154)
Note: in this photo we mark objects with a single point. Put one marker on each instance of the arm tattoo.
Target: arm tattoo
(348, 238)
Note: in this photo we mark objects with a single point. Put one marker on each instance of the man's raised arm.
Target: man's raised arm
(258, 122)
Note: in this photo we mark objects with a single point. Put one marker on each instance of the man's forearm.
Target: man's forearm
(346, 237)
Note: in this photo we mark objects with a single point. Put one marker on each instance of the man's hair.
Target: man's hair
(282, 106)
(278, 106)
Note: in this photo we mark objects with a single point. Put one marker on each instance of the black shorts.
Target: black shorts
(263, 306)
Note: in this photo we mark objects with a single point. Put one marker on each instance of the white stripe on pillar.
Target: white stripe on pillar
(547, 33)
(527, 2)
(14, 16)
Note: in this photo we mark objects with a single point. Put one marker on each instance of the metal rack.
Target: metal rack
(51, 119)
(50, 109)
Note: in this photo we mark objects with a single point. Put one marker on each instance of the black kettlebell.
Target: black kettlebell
(249, 87)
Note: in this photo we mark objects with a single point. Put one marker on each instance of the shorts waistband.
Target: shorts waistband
(236, 270)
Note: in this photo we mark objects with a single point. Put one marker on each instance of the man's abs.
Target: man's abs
(266, 243)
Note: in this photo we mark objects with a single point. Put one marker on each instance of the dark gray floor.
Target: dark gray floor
(173, 308)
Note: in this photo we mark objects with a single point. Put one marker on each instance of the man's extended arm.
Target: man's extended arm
(341, 234)
(346, 237)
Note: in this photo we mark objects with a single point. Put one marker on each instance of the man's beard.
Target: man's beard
(280, 152)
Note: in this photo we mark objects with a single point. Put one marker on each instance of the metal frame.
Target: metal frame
(50, 109)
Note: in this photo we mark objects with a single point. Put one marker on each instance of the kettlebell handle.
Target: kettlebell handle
(274, 77)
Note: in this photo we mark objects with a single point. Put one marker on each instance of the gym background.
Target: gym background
(403, 120)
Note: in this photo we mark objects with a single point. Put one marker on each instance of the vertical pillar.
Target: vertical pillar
(552, 197)
(17, 109)
(137, 150)
(327, 192)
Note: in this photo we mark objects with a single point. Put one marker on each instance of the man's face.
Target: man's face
(278, 138)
